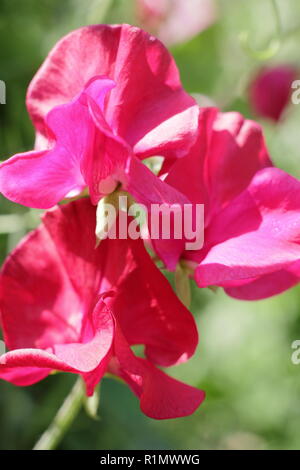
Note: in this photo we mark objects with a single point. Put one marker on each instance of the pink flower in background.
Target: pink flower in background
(270, 91)
(68, 306)
(252, 210)
(105, 98)
(175, 21)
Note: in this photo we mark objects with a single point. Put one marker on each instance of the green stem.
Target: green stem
(63, 419)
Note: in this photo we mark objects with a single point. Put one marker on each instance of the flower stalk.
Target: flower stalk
(63, 419)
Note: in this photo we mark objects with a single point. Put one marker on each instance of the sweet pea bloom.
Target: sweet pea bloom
(105, 98)
(270, 91)
(70, 307)
(175, 21)
(252, 210)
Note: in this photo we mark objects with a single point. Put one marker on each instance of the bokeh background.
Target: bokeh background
(244, 357)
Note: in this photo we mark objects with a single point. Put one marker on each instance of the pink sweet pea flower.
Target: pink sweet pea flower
(70, 307)
(105, 98)
(175, 21)
(252, 210)
(270, 91)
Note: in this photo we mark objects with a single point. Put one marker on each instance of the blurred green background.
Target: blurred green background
(244, 358)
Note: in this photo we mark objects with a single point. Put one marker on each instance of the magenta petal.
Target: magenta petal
(38, 318)
(39, 179)
(23, 376)
(257, 234)
(154, 317)
(57, 325)
(166, 128)
(161, 397)
(86, 357)
(236, 151)
(73, 357)
(164, 397)
(271, 89)
(68, 68)
(228, 152)
(110, 157)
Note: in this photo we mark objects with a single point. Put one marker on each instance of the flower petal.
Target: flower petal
(257, 234)
(38, 317)
(148, 92)
(23, 376)
(71, 273)
(152, 192)
(81, 358)
(109, 160)
(228, 152)
(161, 397)
(154, 317)
(270, 91)
(267, 285)
(41, 179)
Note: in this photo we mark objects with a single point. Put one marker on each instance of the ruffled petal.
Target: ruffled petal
(267, 285)
(148, 107)
(23, 376)
(80, 358)
(39, 306)
(54, 326)
(161, 397)
(257, 234)
(152, 192)
(153, 316)
(41, 179)
(228, 152)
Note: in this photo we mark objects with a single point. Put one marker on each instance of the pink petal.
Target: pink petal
(257, 234)
(54, 326)
(267, 285)
(270, 91)
(148, 92)
(71, 228)
(81, 358)
(111, 154)
(41, 179)
(149, 190)
(228, 153)
(67, 269)
(158, 316)
(23, 376)
(38, 317)
(88, 356)
(161, 397)
(154, 316)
